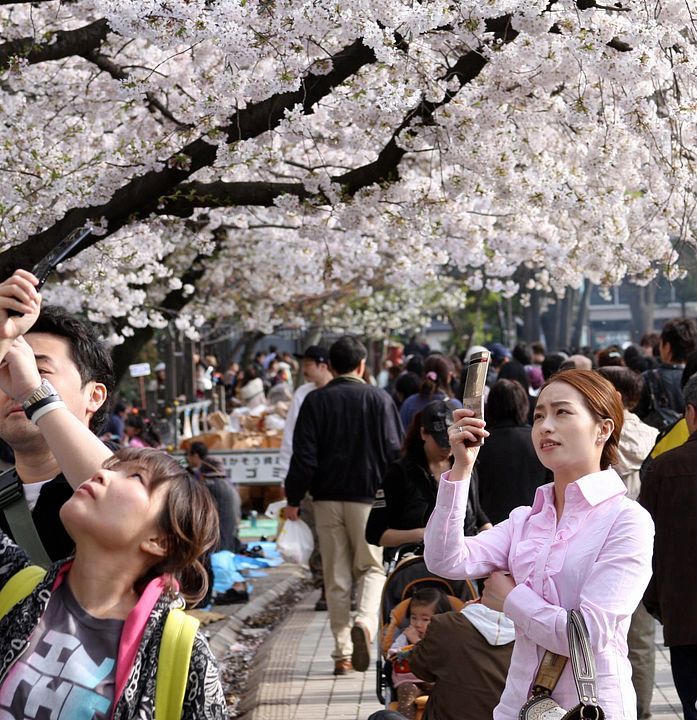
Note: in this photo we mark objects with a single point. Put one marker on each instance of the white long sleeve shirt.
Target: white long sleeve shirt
(293, 411)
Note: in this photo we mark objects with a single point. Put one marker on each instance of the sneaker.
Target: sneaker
(360, 638)
(342, 667)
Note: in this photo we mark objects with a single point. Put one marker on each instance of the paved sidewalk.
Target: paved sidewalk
(292, 676)
(266, 589)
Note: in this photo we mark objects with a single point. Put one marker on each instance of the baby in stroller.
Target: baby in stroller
(425, 603)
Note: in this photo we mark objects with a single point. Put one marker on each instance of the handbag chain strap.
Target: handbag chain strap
(582, 664)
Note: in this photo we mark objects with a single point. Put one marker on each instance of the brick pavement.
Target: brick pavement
(292, 676)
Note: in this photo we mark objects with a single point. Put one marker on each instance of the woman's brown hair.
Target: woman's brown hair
(189, 519)
(602, 401)
(437, 372)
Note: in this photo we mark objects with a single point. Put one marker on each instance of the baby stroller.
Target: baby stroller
(409, 574)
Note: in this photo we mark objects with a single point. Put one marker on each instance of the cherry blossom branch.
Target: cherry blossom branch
(140, 196)
(62, 44)
(175, 300)
(106, 64)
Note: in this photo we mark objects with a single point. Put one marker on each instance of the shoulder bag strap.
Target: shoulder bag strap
(19, 586)
(582, 660)
(173, 664)
(14, 506)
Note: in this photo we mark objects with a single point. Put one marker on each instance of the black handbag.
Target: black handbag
(541, 706)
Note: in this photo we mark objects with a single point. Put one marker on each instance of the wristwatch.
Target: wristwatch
(44, 391)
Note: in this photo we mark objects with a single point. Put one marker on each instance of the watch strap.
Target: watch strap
(31, 409)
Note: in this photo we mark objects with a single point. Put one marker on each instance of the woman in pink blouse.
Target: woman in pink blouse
(581, 545)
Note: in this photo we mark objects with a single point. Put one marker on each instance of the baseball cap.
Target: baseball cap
(316, 353)
(436, 418)
(499, 352)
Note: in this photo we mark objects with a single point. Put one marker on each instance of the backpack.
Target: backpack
(175, 647)
(662, 415)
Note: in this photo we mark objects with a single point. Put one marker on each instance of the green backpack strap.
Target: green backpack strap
(173, 664)
(19, 586)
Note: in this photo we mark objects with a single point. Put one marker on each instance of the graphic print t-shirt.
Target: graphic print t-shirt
(67, 671)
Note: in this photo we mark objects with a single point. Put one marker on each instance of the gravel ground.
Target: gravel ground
(235, 666)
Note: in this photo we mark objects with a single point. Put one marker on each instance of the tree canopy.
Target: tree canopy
(291, 161)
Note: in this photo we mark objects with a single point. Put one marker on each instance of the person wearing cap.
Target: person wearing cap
(314, 363)
(407, 495)
(500, 355)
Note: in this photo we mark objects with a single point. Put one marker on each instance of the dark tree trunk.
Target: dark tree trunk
(532, 320)
(641, 305)
(566, 315)
(581, 316)
(250, 339)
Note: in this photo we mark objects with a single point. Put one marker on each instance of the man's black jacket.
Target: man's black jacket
(346, 435)
(46, 515)
(669, 493)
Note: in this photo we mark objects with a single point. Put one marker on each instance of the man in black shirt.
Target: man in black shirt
(70, 356)
(661, 402)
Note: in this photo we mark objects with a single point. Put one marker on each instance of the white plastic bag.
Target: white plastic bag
(295, 542)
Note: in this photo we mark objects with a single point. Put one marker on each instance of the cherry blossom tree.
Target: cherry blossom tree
(360, 164)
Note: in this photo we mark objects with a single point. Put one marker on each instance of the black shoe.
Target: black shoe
(321, 605)
(231, 597)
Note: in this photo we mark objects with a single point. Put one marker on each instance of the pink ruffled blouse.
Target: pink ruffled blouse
(596, 558)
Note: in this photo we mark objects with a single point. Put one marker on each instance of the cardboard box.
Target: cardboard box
(272, 440)
(218, 421)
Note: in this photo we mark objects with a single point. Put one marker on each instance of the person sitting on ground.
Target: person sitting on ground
(139, 521)
(424, 604)
(438, 372)
(209, 470)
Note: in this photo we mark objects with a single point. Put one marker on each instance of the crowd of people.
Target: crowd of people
(556, 509)
(549, 504)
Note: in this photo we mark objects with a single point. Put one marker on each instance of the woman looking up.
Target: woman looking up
(581, 545)
(140, 522)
